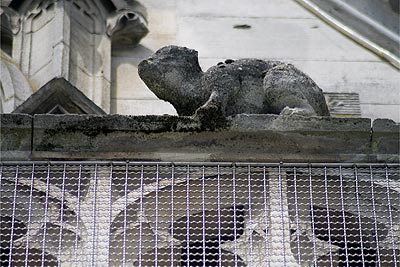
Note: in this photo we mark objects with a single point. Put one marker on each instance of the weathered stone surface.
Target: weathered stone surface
(66, 39)
(14, 87)
(245, 122)
(283, 30)
(245, 138)
(128, 25)
(15, 136)
(386, 136)
(253, 138)
(71, 39)
(237, 86)
(114, 133)
(286, 86)
(385, 125)
(59, 96)
(231, 87)
(174, 74)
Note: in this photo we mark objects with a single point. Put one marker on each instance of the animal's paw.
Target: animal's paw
(210, 116)
(287, 111)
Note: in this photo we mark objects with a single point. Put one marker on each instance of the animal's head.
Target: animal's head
(173, 73)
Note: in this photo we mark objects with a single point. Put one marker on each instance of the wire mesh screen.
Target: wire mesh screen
(164, 214)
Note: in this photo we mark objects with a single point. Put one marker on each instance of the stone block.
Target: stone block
(262, 138)
(386, 137)
(301, 138)
(100, 137)
(15, 136)
(296, 123)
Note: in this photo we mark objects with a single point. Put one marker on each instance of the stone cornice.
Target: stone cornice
(253, 138)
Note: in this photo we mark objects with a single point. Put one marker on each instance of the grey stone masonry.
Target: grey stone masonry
(15, 136)
(73, 39)
(58, 96)
(386, 136)
(171, 138)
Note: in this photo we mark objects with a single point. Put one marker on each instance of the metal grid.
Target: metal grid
(164, 214)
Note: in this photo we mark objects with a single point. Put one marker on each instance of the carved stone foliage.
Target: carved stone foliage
(231, 87)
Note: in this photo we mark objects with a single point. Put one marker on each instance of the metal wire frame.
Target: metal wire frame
(81, 213)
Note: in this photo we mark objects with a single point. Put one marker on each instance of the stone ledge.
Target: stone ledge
(171, 138)
(385, 125)
(385, 136)
(15, 136)
(245, 122)
(93, 125)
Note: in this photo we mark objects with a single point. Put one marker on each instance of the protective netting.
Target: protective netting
(188, 214)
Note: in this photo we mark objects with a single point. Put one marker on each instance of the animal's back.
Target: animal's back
(240, 83)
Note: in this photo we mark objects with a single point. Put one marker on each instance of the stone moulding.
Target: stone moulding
(15, 87)
(58, 96)
(128, 24)
(249, 138)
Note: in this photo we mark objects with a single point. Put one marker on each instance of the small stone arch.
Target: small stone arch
(14, 86)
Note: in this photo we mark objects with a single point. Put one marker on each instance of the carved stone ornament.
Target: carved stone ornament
(232, 87)
(71, 39)
(127, 26)
(58, 97)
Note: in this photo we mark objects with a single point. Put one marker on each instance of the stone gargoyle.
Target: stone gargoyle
(232, 87)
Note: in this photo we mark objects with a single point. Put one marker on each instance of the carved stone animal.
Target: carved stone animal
(232, 87)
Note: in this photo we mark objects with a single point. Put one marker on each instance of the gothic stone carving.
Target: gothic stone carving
(232, 87)
(75, 48)
(128, 25)
(72, 39)
(58, 96)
